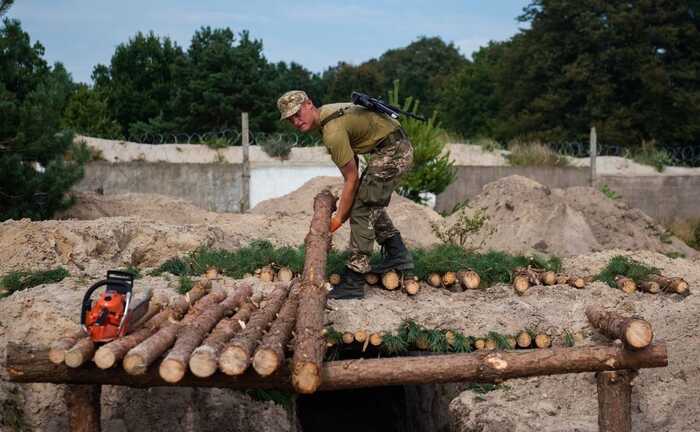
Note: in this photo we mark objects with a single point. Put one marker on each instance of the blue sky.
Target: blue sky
(316, 34)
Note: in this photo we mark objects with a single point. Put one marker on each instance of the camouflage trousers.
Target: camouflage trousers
(369, 220)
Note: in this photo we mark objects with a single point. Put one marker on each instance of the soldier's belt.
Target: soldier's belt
(393, 137)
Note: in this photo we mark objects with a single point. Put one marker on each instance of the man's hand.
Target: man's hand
(335, 223)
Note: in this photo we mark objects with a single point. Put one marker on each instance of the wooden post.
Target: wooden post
(614, 400)
(245, 186)
(83, 404)
(594, 153)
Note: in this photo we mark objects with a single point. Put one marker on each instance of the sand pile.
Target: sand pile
(525, 216)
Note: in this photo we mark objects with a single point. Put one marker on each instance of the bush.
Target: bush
(20, 280)
(534, 153)
(649, 154)
(624, 266)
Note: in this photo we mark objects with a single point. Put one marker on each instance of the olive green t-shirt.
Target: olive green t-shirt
(357, 131)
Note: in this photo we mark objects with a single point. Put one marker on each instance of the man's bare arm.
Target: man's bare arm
(351, 174)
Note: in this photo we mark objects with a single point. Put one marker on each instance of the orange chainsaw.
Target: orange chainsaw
(112, 314)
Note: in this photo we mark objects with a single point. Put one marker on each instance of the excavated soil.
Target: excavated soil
(587, 228)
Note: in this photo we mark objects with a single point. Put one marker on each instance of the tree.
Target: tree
(33, 174)
(87, 113)
(139, 83)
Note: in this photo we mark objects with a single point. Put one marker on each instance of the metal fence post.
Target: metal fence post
(594, 152)
(245, 186)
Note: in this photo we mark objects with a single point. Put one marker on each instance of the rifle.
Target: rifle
(380, 106)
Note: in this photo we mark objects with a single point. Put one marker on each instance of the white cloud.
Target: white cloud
(470, 45)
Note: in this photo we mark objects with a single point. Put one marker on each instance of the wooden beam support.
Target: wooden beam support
(615, 400)
(83, 405)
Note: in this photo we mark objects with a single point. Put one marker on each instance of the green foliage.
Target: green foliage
(624, 266)
(333, 336)
(650, 154)
(609, 192)
(176, 266)
(432, 169)
(534, 154)
(88, 114)
(276, 147)
(134, 271)
(500, 340)
(185, 284)
(462, 229)
(216, 143)
(393, 344)
(492, 267)
(20, 280)
(568, 338)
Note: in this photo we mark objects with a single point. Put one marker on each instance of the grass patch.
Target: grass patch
(624, 266)
(649, 154)
(135, 272)
(534, 153)
(20, 280)
(609, 192)
(185, 284)
(216, 143)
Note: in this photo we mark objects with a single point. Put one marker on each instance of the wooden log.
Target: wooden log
(469, 279)
(543, 341)
(576, 282)
(57, 352)
(270, 353)
(267, 274)
(361, 336)
(450, 338)
(523, 340)
(549, 278)
(174, 366)
(636, 333)
(334, 279)
(109, 354)
(521, 283)
(81, 352)
(142, 355)
(434, 280)
(411, 285)
(205, 358)
(625, 284)
(284, 274)
(83, 406)
(615, 400)
(29, 364)
(391, 280)
(562, 279)
(480, 344)
(650, 287)
(376, 339)
(372, 278)
(348, 338)
(449, 278)
(309, 346)
(490, 344)
(675, 285)
(236, 356)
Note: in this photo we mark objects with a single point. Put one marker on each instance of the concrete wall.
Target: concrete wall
(665, 198)
(215, 187)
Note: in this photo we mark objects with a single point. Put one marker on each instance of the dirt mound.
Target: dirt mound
(565, 402)
(525, 216)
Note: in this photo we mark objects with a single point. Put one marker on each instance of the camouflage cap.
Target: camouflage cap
(290, 102)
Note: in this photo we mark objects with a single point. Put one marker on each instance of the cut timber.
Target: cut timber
(449, 278)
(267, 274)
(490, 344)
(625, 284)
(576, 282)
(521, 283)
(562, 279)
(83, 406)
(269, 355)
(284, 274)
(411, 285)
(236, 356)
(391, 280)
(81, 352)
(480, 344)
(543, 341)
(29, 364)
(636, 333)
(375, 339)
(348, 338)
(549, 278)
(109, 354)
(434, 280)
(450, 338)
(361, 336)
(523, 340)
(309, 346)
(57, 353)
(614, 400)
(469, 279)
(205, 358)
(174, 366)
(142, 355)
(650, 287)
(422, 342)
(334, 279)
(371, 278)
(676, 285)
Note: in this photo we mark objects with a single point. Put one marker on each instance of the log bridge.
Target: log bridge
(616, 364)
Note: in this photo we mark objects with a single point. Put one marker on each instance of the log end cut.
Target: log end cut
(104, 358)
(234, 361)
(639, 334)
(306, 378)
(265, 362)
(171, 370)
(203, 362)
(135, 364)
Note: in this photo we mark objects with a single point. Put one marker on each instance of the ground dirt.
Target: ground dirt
(580, 224)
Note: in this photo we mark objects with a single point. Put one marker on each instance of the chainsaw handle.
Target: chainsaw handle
(87, 302)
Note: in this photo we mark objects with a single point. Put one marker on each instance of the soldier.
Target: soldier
(349, 130)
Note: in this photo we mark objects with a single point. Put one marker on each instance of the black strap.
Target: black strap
(333, 116)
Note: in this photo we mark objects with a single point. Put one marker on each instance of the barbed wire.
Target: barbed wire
(230, 137)
(685, 155)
